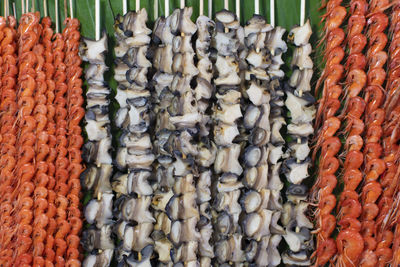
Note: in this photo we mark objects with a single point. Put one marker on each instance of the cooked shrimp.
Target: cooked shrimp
(350, 246)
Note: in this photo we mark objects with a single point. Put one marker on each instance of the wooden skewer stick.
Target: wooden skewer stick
(97, 15)
(22, 6)
(182, 4)
(302, 12)
(166, 11)
(210, 9)
(33, 5)
(155, 9)
(226, 4)
(201, 8)
(137, 5)
(238, 9)
(14, 10)
(26, 6)
(45, 7)
(124, 6)
(57, 18)
(65, 9)
(71, 9)
(257, 7)
(272, 12)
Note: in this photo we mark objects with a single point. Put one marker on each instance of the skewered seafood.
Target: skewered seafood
(135, 151)
(322, 191)
(226, 111)
(96, 152)
(300, 105)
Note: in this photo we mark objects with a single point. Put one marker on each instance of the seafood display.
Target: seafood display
(327, 141)
(204, 141)
(41, 98)
(96, 239)
(226, 112)
(300, 104)
(134, 156)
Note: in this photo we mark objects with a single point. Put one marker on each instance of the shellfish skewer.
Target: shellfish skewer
(45, 7)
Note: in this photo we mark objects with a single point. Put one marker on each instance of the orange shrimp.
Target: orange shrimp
(327, 184)
(356, 107)
(61, 246)
(358, 7)
(370, 211)
(329, 166)
(350, 246)
(335, 18)
(326, 249)
(335, 56)
(373, 97)
(378, 5)
(354, 126)
(334, 39)
(356, 80)
(377, 43)
(349, 223)
(326, 205)
(350, 208)
(355, 25)
(73, 241)
(370, 192)
(374, 134)
(356, 61)
(354, 142)
(328, 225)
(374, 168)
(331, 107)
(384, 256)
(354, 160)
(357, 43)
(377, 23)
(376, 76)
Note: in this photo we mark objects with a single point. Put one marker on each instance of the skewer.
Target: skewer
(65, 9)
(155, 9)
(166, 11)
(182, 4)
(209, 8)
(57, 22)
(5, 9)
(26, 6)
(237, 5)
(302, 12)
(137, 5)
(22, 6)
(97, 15)
(226, 4)
(14, 10)
(272, 11)
(45, 7)
(124, 6)
(71, 9)
(33, 6)
(201, 8)
(257, 7)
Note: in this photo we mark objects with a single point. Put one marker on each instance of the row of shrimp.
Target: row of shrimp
(327, 141)
(40, 218)
(369, 176)
(388, 218)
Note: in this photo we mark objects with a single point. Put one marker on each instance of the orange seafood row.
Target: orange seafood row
(75, 141)
(349, 206)
(8, 132)
(374, 115)
(40, 112)
(388, 217)
(327, 139)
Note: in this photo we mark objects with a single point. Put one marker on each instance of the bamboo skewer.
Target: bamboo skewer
(302, 12)
(237, 6)
(124, 7)
(257, 7)
(182, 4)
(137, 7)
(201, 8)
(166, 7)
(155, 9)
(97, 19)
(226, 4)
(45, 7)
(210, 9)
(272, 12)
(71, 9)
(57, 22)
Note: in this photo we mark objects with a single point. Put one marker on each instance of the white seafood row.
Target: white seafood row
(300, 104)
(96, 239)
(261, 198)
(185, 116)
(134, 220)
(227, 168)
(204, 91)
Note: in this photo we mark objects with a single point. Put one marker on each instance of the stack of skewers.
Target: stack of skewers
(41, 110)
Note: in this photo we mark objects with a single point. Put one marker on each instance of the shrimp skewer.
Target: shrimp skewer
(326, 136)
(74, 96)
(8, 133)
